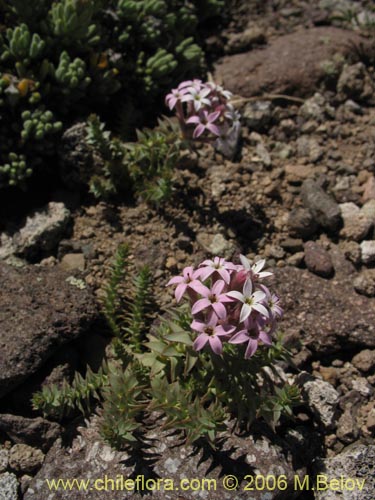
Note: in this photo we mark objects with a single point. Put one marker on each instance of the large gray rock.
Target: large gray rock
(321, 397)
(327, 316)
(290, 64)
(39, 312)
(88, 458)
(323, 207)
(40, 234)
(8, 486)
(356, 466)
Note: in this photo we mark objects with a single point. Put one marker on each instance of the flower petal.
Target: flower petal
(200, 341)
(215, 344)
(240, 337)
(180, 290)
(248, 288)
(258, 296)
(236, 295)
(193, 119)
(220, 310)
(175, 280)
(198, 131)
(245, 262)
(213, 128)
(245, 312)
(252, 346)
(218, 287)
(261, 309)
(265, 338)
(258, 266)
(200, 305)
(205, 272)
(197, 326)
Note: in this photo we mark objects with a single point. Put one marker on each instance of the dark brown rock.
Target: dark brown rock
(323, 207)
(36, 432)
(39, 312)
(327, 316)
(318, 260)
(291, 64)
(301, 223)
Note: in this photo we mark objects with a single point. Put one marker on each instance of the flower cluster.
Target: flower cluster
(204, 112)
(229, 303)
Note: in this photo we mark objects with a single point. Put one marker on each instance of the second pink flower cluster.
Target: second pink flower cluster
(229, 303)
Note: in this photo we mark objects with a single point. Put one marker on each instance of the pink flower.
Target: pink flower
(205, 121)
(221, 266)
(174, 97)
(212, 298)
(198, 96)
(250, 300)
(188, 279)
(210, 332)
(252, 334)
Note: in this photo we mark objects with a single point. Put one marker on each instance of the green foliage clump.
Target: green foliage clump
(144, 167)
(73, 57)
(157, 372)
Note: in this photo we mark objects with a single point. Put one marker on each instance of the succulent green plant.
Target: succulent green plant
(74, 57)
(144, 167)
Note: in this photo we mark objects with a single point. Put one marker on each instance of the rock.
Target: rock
(36, 432)
(364, 361)
(296, 259)
(295, 174)
(292, 244)
(240, 42)
(321, 397)
(8, 486)
(368, 251)
(356, 228)
(42, 231)
(326, 316)
(313, 108)
(368, 210)
(215, 244)
(88, 457)
(290, 64)
(318, 260)
(25, 459)
(369, 189)
(351, 250)
(257, 115)
(39, 312)
(309, 147)
(347, 429)
(355, 462)
(322, 206)
(316, 108)
(364, 283)
(361, 386)
(73, 261)
(263, 154)
(4, 459)
(301, 223)
(351, 83)
(349, 210)
(77, 160)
